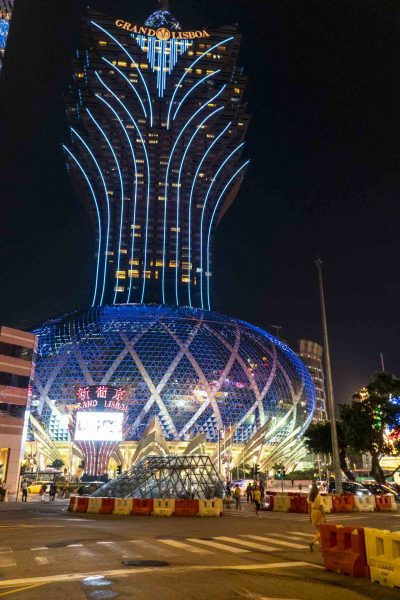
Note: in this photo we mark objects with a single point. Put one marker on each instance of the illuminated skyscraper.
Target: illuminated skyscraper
(157, 126)
(311, 355)
(6, 7)
(157, 132)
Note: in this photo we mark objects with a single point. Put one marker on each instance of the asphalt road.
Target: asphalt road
(46, 552)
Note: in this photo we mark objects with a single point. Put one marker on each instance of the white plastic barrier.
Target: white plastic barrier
(327, 500)
(364, 503)
(123, 506)
(281, 503)
(163, 507)
(210, 508)
(94, 505)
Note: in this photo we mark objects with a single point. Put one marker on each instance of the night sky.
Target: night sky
(324, 179)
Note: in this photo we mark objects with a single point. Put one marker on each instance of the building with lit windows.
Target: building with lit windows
(17, 364)
(311, 355)
(155, 150)
(6, 7)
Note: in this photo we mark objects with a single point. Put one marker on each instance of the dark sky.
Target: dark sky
(323, 82)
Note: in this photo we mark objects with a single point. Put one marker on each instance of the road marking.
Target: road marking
(21, 589)
(40, 548)
(183, 546)
(74, 546)
(42, 560)
(306, 535)
(6, 558)
(68, 577)
(252, 545)
(290, 537)
(278, 542)
(217, 545)
(105, 543)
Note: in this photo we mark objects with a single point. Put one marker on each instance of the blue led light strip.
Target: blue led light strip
(122, 194)
(203, 213)
(197, 131)
(128, 81)
(135, 166)
(148, 179)
(178, 85)
(202, 80)
(211, 223)
(132, 62)
(108, 209)
(98, 219)
(157, 55)
(167, 174)
(191, 200)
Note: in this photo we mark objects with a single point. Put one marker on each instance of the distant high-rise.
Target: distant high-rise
(6, 7)
(311, 355)
(157, 131)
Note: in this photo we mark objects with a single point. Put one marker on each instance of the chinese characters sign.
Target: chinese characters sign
(102, 397)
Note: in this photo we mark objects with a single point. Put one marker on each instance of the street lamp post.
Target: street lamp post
(331, 398)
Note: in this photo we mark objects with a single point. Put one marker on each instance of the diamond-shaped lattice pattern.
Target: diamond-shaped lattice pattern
(196, 371)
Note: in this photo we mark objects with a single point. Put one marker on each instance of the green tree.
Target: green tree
(318, 439)
(366, 420)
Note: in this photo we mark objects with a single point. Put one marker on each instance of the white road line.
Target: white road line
(187, 547)
(39, 548)
(6, 558)
(68, 577)
(42, 560)
(286, 536)
(218, 546)
(252, 545)
(278, 542)
(74, 546)
(306, 535)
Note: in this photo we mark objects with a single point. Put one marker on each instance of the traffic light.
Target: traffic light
(119, 470)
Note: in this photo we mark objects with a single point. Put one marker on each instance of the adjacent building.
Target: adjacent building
(311, 355)
(6, 7)
(17, 364)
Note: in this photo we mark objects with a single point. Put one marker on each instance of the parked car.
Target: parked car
(89, 487)
(349, 487)
(382, 489)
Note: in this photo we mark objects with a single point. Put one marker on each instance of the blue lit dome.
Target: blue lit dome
(162, 18)
(196, 371)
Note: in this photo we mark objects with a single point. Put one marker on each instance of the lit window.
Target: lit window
(173, 264)
(122, 63)
(176, 229)
(133, 274)
(144, 66)
(120, 275)
(102, 43)
(159, 263)
(134, 261)
(119, 288)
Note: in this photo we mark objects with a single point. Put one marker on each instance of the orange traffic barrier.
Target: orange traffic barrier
(344, 503)
(186, 508)
(298, 504)
(141, 507)
(107, 506)
(72, 503)
(82, 504)
(343, 549)
(384, 503)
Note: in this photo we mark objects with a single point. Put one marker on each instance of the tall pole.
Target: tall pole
(331, 398)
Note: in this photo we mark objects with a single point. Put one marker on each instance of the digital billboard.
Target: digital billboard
(99, 426)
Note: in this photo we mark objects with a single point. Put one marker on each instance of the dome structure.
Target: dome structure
(196, 371)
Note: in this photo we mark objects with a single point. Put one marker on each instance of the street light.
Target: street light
(331, 399)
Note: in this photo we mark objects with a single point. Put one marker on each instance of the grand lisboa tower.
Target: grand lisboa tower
(156, 151)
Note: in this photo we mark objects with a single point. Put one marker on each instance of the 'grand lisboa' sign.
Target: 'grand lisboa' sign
(162, 33)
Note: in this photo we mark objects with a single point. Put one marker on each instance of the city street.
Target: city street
(47, 552)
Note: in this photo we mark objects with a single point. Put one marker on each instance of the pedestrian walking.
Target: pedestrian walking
(262, 490)
(249, 493)
(317, 513)
(52, 492)
(228, 495)
(257, 499)
(42, 492)
(24, 489)
(236, 495)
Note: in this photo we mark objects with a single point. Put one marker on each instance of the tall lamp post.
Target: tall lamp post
(331, 398)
